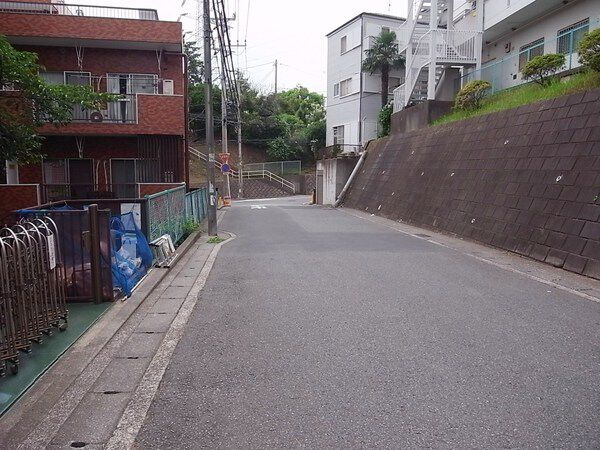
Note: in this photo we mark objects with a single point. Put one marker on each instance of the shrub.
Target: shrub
(385, 120)
(542, 69)
(589, 50)
(470, 96)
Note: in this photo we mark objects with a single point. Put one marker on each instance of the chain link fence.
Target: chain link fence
(166, 213)
(280, 168)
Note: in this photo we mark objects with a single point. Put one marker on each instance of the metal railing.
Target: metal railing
(32, 282)
(265, 174)
(123, 110)
(506, 72)
(75, 10)
(277, 167)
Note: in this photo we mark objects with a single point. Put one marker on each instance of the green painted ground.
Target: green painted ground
(33, 365)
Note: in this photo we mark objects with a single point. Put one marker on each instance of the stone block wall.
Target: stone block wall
(525, 180)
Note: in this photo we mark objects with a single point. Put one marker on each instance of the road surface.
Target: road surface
(320, 329)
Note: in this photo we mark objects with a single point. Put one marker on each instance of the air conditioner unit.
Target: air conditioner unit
(168, 87)
(96, 117)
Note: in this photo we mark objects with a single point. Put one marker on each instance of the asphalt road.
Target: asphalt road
(318, 329)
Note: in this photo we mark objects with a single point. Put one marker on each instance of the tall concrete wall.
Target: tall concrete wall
(526, 180)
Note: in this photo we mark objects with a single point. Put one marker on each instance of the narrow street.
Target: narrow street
(317, 328)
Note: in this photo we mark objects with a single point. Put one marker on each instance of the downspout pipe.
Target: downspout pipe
(359, 164)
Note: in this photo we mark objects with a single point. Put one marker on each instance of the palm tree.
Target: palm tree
(382, 57)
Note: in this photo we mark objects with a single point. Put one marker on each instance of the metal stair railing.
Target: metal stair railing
(249, 174)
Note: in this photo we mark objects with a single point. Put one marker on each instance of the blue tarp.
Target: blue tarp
(131, 254)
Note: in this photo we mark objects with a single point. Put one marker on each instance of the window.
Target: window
(530, 51)
(132, 83)
(569, 37)
(385, 29)
(53, 77)
(343, 44)
(345, 87)
(393, 83)
(336, 90)
(338, 135)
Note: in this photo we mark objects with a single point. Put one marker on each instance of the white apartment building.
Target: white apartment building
(517, 30)
(354, 97)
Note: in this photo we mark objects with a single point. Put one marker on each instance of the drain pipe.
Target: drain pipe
(351, 178)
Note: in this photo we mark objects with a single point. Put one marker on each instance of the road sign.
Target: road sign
(224, 157)
(225, 168)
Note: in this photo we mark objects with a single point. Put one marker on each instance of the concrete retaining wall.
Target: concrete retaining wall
(526, 180)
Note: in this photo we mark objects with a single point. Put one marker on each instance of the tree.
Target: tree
(382, 57)
(385, 120)
(542, 68)
(33, 102)
(589, 50)
(195, 64)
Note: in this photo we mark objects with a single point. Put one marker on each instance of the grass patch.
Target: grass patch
(525, 94)
(215, 240)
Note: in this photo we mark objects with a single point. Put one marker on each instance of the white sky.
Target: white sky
(291, 31)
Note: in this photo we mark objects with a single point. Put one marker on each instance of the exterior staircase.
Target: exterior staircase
(431, 44)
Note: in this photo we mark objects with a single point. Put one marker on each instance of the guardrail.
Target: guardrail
(75, 10)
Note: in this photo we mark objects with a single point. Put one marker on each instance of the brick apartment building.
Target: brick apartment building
(109, 152)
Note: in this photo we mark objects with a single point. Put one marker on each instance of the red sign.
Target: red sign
(224, 157)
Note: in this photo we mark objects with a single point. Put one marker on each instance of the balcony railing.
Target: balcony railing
(68, 9)
(122, 111)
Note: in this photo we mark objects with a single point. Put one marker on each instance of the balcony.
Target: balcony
(151, 114)
(64, 24)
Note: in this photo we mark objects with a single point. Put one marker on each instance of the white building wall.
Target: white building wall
(359, 110)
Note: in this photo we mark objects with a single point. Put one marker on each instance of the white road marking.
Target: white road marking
(133, 418)
(258, 207)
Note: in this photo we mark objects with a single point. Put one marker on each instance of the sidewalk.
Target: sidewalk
(80, 401)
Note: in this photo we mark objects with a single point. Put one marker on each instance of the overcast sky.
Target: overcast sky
(293, 32)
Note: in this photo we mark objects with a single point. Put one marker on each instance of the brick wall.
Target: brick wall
(16, 196)
(524, 180)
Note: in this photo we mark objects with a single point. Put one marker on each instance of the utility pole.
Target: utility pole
(224, 137)
(239, 142)
(276, 76)
(210, 131)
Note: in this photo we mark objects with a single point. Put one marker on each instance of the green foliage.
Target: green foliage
(195, 64)
(470, 96)
(385, 120)
(542, 68)
(526, 94)
(34, 103)
(382, 57)
(196, 94)
(215, 240)
(589, 50)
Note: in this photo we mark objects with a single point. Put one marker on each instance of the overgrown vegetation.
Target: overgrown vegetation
(589, 50)
(385, 120)
(287, 125)
(34, 102)
(525, 94)
(543, 68)
(189, 226)
(215, 240)
(470, 96)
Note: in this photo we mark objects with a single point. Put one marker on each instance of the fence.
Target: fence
(196, 205)
(166, 213)
(67, 9)
(84, 243)
(277, 167)
(32, 296)
(506, 72)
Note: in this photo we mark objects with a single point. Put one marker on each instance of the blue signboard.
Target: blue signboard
(225, 168)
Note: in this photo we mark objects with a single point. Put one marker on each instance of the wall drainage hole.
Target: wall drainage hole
(149, 332)
(111, 392)
(133, 357)
(78, 444)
